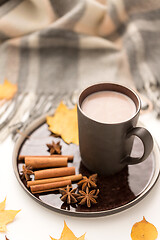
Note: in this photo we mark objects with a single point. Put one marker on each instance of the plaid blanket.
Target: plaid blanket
(53, 49)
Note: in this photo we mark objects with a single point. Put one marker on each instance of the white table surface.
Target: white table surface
(36, 222)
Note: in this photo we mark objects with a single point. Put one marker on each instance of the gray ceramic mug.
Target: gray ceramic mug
(106, 148)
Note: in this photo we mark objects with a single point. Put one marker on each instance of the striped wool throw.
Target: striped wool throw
(54, 48)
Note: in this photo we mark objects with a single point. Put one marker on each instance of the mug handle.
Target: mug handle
(147, 141)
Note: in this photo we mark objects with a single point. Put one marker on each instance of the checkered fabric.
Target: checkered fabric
(53, 49)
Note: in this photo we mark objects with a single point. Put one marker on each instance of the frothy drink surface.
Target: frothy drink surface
(108, 107)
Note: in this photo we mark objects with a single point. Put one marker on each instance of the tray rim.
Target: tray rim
(35, 124)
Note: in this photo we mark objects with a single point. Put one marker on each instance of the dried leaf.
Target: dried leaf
(67, 234)
(2, 205)
(6, 216)
(144, 230)
(64, 123)
(7, 90)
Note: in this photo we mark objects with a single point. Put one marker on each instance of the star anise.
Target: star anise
(88, 197)
(27, 171)
(54, 148)
(68, 195)
(88, 182)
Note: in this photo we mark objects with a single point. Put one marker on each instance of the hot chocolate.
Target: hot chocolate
(108, 107)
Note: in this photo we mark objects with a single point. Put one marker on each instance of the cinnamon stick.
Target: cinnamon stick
(54, 172)
(69, 157)
(47, 186)
(73, 178)
(49, 190)
(45, 162)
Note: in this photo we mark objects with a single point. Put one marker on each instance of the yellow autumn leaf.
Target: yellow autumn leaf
(6, 216)
(2, 205)
(64, 123)
(7, 90)
(144, 230)
(67, 234)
